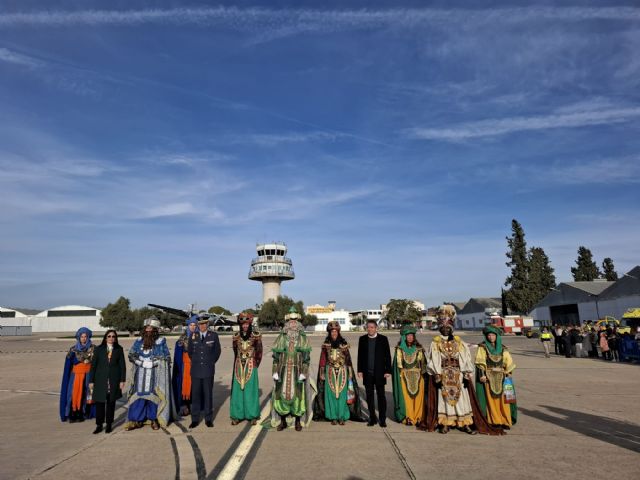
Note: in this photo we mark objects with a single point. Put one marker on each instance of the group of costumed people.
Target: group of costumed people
(435, 388)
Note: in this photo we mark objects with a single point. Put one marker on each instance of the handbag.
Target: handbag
(508, 391)
(351, 393)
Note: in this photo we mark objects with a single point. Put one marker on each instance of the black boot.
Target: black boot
(298, 425)
(108, 429)
(98, 429)
(283, 423)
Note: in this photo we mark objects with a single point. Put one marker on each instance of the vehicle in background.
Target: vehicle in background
(513, 324)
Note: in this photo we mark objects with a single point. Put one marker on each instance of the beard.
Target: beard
(149, 339)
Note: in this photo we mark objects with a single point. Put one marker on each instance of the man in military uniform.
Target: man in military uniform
(204, 351)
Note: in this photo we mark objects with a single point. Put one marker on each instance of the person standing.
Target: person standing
(150, 394)
(74, 405)
(338, 399)
(374, 367)
(409, 369)
(204, 351)
(558, 342)
(245, 391)
(545, 338)
(181, 377)
(108, 376)
(293, 394)
(566, 341)
(604, 344)
(493, 365)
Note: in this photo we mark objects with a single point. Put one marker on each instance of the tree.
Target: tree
(541, 276)
(273, 312)
(518, 296)
(586, 269)
(400, 311)
(608, 270)
(218, 310)
(119, 316)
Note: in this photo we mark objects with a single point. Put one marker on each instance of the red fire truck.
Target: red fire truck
(512, 324)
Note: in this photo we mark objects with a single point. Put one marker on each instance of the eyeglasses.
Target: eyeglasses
(111, 336)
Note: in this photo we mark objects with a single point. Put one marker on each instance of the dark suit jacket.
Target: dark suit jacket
(115, 371)
(204, 354)
(382, 360)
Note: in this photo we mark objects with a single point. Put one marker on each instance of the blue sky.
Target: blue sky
(145, 149)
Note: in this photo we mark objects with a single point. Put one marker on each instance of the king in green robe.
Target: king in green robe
(293, 393)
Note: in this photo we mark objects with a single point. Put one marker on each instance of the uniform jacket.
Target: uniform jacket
(204, 353)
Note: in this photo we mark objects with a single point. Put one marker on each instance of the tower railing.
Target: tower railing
(272, 259)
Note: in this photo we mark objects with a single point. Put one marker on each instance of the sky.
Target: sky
(146, 147)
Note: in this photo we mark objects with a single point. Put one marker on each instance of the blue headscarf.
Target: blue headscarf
(192, 319)
(79, 345)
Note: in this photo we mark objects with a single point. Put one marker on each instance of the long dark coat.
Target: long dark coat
(102, 369)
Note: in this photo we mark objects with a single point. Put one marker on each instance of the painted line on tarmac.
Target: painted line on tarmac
(401, 457)
(234, 464)
(185, 462)
(42, 392)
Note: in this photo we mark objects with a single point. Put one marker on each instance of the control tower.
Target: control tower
(271, 267)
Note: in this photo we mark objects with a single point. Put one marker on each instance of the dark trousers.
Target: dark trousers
(108, 407)
(557, 346)
(202, 399)
(382, 402)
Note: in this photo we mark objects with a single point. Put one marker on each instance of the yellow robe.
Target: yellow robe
(498, 412)
(414, 405)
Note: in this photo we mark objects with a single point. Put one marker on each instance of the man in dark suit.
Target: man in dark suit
(374, 367)
(204, 351)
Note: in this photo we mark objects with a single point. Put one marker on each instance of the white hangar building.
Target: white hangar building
(68, 318)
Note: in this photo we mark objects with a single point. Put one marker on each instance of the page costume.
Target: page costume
(181, 378)
(409, 373)
(338, 398)
(494, 363)
(75, 381)
(245, 390)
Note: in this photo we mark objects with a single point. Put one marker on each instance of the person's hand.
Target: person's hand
(147, 364)
(483, 379)
(86, 361)
(438, 378)
(322, 376)
(121, 385)
(276, 377)
(387, 375)
(91, 386)
(301, 377)
(360, 375)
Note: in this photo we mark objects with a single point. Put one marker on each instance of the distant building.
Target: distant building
(59, 319)
(476, 311)
(341, 316)
(578, 302)
(317, 308)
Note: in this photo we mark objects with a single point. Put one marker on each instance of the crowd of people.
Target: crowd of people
(588, 340)
(437, 387)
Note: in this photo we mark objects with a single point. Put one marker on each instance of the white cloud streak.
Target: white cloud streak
(503, 126)
(275, 139)
(286, 22)
(9, 56)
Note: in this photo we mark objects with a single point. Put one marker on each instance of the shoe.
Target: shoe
(341, 423)
(467, 429)
(194, 424)
(98, 429)
(131, 426)
(298, 426)
(155, 425)
(81, 419)
(282, 426)
(108, 429)
(72, 420)
(333, 422)
(371, 423)
(209, 423)
(444, 429)
(234, 422)
(383, 424)
(254, 421)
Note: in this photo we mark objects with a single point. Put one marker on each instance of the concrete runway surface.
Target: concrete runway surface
(579, 418)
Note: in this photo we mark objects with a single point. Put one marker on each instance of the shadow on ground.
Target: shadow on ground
(622, 434)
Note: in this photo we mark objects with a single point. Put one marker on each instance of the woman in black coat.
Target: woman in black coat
(108, 375)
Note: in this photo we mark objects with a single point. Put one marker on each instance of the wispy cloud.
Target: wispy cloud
(275, 139)
(503, 126)
(277, 23)
(10, 56)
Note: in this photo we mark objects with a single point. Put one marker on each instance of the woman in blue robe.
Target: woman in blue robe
(74, 404)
